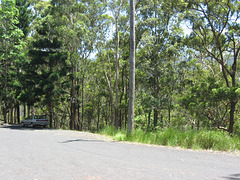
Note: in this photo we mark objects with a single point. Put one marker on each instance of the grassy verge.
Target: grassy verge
(203, 139)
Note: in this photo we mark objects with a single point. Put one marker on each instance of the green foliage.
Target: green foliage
(189, 139)
(25, 16)
(11, 54)
(63, 53)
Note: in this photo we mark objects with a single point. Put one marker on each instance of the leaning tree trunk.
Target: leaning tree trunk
(111, 92)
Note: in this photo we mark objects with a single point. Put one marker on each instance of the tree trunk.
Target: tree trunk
(149, 118)
(9, 114)
(5, 87)
(1, 113)
(126, 101)
(15, 115)
(57, 119)
(82, 102)
(155, 117)
(169, 115)
(111, 92)
(106, 114)
(5, 114)
(117, 74)
(33, 110)
(12, 114)
(98, 114)
(24, 110)
(79, 118)
(231, 120)
(29, 107)
(120, 113)
(73, 118)
(18, 114)
(50, 110)
(132, 69)
(121, 98)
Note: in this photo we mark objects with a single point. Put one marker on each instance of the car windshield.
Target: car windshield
(39, 117)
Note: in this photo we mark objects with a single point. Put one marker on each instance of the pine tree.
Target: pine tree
(47, 64)
(10, 52)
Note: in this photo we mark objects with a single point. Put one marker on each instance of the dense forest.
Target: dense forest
(69, 59)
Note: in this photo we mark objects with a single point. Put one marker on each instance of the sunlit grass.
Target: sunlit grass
(190, 139)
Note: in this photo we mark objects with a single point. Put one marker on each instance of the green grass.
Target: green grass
(190, 139)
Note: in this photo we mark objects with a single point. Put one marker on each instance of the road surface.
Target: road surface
(43, 154)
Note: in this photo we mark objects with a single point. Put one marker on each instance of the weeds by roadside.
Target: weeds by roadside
(190, 139)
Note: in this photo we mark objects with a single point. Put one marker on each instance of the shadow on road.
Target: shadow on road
(82, 140)
(20, 127)
(233, 177)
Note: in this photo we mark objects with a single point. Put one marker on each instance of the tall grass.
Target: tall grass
(190, 139)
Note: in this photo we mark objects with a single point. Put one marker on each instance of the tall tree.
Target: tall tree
(79, 22)
(215, 27)
(116, 7)
(131, 69)
(25, 18)
(25, 15)
(10, 52)
(159, 35)
(48, 62)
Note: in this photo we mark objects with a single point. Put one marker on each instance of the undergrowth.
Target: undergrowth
(190, 139)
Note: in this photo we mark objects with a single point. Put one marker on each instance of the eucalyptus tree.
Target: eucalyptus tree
(124, 70)
(159, 47)
(104, 81)
(215, 26)
(67, 13)
(117, 8)
(107, 68)
(78, 24)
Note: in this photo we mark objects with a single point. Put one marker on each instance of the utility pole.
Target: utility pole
(132, 69)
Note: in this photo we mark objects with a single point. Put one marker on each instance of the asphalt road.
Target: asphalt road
(43, 154)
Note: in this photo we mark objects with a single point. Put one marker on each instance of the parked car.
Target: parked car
(35, 120)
